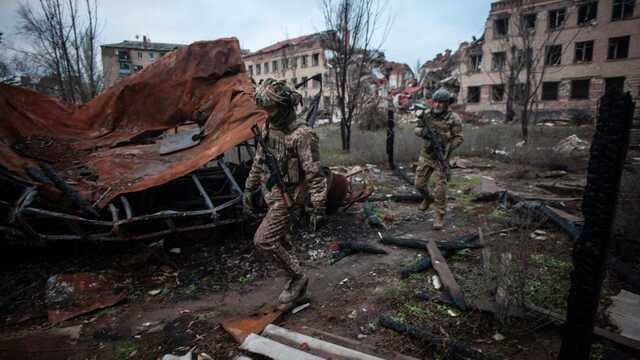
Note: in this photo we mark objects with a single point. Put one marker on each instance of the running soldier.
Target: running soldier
(295, 147)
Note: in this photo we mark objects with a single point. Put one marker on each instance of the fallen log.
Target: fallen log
(455, 346)
(347, 248)
(370, 217)
(448, 281)
(568, 223)
(468, 241)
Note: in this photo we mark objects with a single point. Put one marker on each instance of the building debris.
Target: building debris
(93, 168)
(570, 224)
(571, 145)
(70, 295)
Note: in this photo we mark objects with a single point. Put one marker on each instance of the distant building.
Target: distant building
(594, 49)
(127, 57)
(295, 60)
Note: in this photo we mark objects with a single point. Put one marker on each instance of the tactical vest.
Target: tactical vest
(284, 149)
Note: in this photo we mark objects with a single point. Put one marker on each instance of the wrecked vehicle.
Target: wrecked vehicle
(143, 159)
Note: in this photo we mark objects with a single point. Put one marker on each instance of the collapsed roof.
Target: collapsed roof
(154, 126)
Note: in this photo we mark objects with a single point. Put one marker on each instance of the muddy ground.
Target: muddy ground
(177, 299)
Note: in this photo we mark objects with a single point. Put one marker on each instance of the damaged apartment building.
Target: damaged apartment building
(578, 51)
(294, 61)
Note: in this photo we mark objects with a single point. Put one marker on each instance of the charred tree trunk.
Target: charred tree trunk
(608, 153)
(390, 138)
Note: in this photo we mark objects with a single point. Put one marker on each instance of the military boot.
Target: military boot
(295, 289)
(425, 204)
(438, 222)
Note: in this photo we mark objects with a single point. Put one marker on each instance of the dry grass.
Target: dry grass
(370, 146)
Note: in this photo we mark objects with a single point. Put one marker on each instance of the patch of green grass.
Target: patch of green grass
(597, 351)
(499, 213)
(245, 279)
(549, 261)
(465, 182)
(414, 310)
(124, 349)
(418, 276)
(187, 290)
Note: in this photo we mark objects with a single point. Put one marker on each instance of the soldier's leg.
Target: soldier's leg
(269, 239)
(423, 173)
(440, 199)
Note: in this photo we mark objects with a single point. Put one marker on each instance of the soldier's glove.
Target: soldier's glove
(317, 218)
(247, 201)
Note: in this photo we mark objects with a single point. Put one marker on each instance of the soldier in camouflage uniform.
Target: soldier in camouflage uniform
(295, 147)
(448, 127)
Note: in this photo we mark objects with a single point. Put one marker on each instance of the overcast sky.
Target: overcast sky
(421, 28)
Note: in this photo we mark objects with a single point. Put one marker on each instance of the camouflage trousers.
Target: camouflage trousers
(427, 167)
(271, 236)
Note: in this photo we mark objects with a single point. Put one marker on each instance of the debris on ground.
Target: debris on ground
(571, 145)
(70, 295)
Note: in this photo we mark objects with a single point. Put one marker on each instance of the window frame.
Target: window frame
(493, 93)
(572, 93)
(556, 91)
(494, 63)
(548, 55)
(469, 98)
(475, 66)
(557, 25)
(496, 33)
(624, 6)
(591, 9)
(611, 42)
(583, 50)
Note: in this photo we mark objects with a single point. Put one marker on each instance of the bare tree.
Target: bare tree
(528, 54)
(63, 43)
(355, 32)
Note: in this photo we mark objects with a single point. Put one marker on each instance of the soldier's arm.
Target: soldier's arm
(309, 152)
(456, 132)
(257, 171)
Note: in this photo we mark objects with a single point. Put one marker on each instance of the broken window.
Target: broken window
(476, 62)
(584, 51)
(614, 85)
(618, 48)
(553, 55)
(258, 69)
(473, 94)
(622, 10)
(251, 70)
(315, 59)
(498, 61)
(266, 68)
(285, 63)
(304, 61)
(497, 92)
(523, 57)
(587, 12)
(556, 18)
(550, 90)
(528, 22)
(500, 27)
(580, 89)
(124, 68)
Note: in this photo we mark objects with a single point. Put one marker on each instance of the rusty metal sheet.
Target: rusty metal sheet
(70, 295)
(240, 328)
(111, 145)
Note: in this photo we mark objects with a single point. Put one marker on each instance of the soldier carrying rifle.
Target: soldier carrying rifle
(287, 168)
(441, 130)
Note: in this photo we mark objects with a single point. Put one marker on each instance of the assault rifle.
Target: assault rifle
(438, 150)
(273, 166)
(314, 105)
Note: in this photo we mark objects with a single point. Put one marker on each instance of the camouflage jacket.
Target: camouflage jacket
(297, 153)
(447, 127)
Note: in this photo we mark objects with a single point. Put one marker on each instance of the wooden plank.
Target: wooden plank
(274, 350)
(448, 281)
